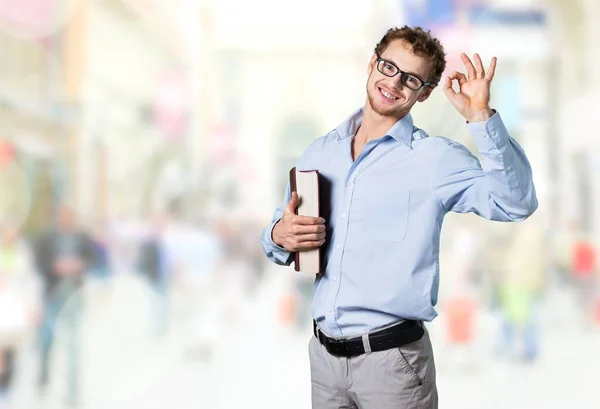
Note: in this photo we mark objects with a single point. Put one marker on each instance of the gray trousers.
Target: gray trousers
(397, 378)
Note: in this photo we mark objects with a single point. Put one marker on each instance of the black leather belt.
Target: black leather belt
(392, 337)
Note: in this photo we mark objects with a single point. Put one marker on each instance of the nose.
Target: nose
(397, 84)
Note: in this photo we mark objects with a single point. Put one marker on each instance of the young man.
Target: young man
(391, 185)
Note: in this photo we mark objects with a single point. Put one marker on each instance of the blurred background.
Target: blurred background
(144, 144)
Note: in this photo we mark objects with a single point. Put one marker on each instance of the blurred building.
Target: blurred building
(137, 106)
(282, 72)
(38, 112)
(577, 161)
(125, 106)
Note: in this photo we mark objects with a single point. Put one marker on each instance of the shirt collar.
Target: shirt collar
(402, 131)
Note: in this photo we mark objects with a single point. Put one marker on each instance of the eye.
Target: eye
(412, 80)
(389, 67)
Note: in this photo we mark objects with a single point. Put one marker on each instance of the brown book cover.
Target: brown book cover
(306, 184)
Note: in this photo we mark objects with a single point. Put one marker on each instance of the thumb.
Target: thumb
(293, 203)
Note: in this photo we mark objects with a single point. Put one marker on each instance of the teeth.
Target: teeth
(387, 95)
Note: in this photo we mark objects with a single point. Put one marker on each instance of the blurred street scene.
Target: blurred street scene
(144, 144)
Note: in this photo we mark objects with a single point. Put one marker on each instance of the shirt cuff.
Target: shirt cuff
(489, 135)
(278, 252)
(268, 235)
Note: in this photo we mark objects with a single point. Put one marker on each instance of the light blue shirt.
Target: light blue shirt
(387, 209)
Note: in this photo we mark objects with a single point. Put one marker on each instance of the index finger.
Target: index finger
(459, 76)
(309, 220)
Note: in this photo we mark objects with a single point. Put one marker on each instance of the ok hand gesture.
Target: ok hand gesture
(473, 98)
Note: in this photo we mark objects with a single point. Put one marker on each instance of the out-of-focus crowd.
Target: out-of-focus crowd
(49, 281)
(201, 274)
(519, 275)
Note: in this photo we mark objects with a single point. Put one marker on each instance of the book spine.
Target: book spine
(319, 207)
(293, 188)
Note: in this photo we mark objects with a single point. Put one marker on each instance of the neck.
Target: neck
(374, 125)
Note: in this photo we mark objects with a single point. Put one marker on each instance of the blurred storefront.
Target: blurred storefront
(37, 116)
(124, 106)
(136, 108)
(277, 93)
(578, 146)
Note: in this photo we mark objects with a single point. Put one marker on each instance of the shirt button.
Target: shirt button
(343, 215)
(334, 278)
(338, 247)
(509, 168)
(350, 184)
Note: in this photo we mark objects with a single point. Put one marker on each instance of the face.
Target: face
(387, 95)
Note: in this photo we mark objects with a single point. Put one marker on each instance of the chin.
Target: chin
(383, 108)
(396, 110)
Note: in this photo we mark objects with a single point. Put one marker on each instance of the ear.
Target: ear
(372, 64)
(425, 94)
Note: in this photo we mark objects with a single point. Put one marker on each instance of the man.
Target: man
(63, 255)
(391, 185)
(154, 264)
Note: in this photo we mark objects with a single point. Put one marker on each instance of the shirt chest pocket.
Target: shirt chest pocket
(386, 213)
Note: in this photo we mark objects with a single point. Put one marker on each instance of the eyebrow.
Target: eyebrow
(408, 72)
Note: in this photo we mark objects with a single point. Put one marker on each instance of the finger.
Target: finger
(492, 69)
(308, 229)
(479, 66)
(469, 66)
(308, 220)
(292, 204)
(310, 237)
(307, 245)
(299, 229)
(459, 76)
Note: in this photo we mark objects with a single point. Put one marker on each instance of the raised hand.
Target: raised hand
(473, 97)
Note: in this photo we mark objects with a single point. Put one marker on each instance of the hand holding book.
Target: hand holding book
(298, 233)
(301, 229)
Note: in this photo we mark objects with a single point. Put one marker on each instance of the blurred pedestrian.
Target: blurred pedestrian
(584, 277)
(461, 302)
(564, 240)
(520, 293)
(19, 302)
(63, 255)
(100, 269)
(154, 264)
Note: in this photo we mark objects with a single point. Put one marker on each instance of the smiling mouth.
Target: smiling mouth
(386, 95)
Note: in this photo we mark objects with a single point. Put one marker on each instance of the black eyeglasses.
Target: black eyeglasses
(389, 69)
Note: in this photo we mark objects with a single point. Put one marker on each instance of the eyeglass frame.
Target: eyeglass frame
(379, 58)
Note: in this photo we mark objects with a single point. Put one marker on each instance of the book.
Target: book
(306, 184)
